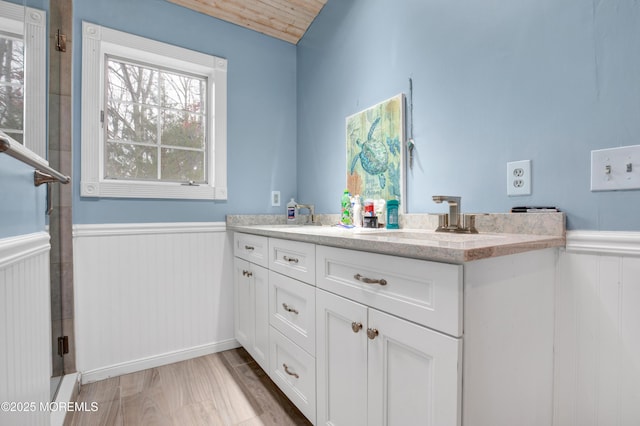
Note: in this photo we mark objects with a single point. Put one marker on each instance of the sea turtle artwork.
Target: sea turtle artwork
(374, 151)
(374, 156)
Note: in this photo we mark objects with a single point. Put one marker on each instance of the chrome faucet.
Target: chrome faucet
(455, 221)
(311, 220)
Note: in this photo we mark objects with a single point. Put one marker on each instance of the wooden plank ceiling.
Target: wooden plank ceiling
(283, 19)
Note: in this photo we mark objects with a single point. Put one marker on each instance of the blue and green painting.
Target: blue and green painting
(374, 150)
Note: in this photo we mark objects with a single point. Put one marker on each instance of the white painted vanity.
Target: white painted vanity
(400, 327)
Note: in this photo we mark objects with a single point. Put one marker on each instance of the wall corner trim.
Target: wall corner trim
(618, 243)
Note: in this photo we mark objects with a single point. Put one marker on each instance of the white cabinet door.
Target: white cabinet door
(341, 361)
(251, 297)
(413, 374)
(261, 324)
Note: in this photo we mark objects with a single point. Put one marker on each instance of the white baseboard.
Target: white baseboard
(156, 361)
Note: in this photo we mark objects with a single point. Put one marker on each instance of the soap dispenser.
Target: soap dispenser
(392, 214)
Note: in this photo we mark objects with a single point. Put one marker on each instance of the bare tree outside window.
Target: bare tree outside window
(155, 124)
(12, 86)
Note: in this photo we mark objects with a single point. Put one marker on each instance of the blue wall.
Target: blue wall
(494, 82)
(261, 111)
(22, 205)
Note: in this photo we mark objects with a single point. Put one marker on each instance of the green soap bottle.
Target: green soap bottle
(345, 212)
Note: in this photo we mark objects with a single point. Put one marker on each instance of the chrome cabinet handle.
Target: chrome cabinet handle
(372, 333)
(247, 273)
(286, 370)
(249, 248)
(289, 308)
(290, 259)
(366, 280)
(356, 326)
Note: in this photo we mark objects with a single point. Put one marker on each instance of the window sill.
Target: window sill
(129, 189)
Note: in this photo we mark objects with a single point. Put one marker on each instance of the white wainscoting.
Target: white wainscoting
(25, 328)
(597, 335)
(150, 294)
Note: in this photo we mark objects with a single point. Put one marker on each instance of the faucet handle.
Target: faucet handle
(443, 222)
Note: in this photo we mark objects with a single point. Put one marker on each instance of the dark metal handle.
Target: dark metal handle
(286, 370)
(289, 308)
(290, 259)
(366, 280)
(249, 248)
(247, 273)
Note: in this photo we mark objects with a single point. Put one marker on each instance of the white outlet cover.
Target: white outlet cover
(275, 198)
(615, 169)
(519, 178)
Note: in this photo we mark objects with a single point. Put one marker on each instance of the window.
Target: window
(153, 119)
(12, 85)
(23, 90)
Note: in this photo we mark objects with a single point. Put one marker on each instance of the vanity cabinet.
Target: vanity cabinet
(251, 295)
(379, 368)
(360, 338)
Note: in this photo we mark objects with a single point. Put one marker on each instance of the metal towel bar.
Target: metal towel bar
(43, 173)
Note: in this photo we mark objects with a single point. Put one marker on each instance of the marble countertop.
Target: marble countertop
(415, 242)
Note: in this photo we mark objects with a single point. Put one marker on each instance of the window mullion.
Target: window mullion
(159, 123)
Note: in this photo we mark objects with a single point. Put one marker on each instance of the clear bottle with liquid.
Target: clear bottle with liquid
(292, 214)
(357, 211)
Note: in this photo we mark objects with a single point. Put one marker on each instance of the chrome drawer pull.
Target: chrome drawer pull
(289, 309)
(286, 370)
(290, 259)
(372, 333)
(249, 248)
(247, 273)
(366, 280)
(356, 326)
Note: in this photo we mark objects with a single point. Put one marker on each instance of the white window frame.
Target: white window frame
(97, 43)
(31, 24)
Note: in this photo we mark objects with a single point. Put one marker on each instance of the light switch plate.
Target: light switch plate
(615, 169)
(519, 178)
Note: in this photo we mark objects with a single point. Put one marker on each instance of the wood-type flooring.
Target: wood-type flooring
(226, 388)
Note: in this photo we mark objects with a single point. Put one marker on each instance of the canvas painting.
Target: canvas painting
(374, 151)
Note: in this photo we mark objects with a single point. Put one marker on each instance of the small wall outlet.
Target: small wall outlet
(275, 198)
(519, 178)
(615, 168)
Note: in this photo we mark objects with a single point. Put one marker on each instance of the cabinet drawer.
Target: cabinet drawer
(253, 248)
(292, 310)
(293, 258)
(428, 293)
(294, 371)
